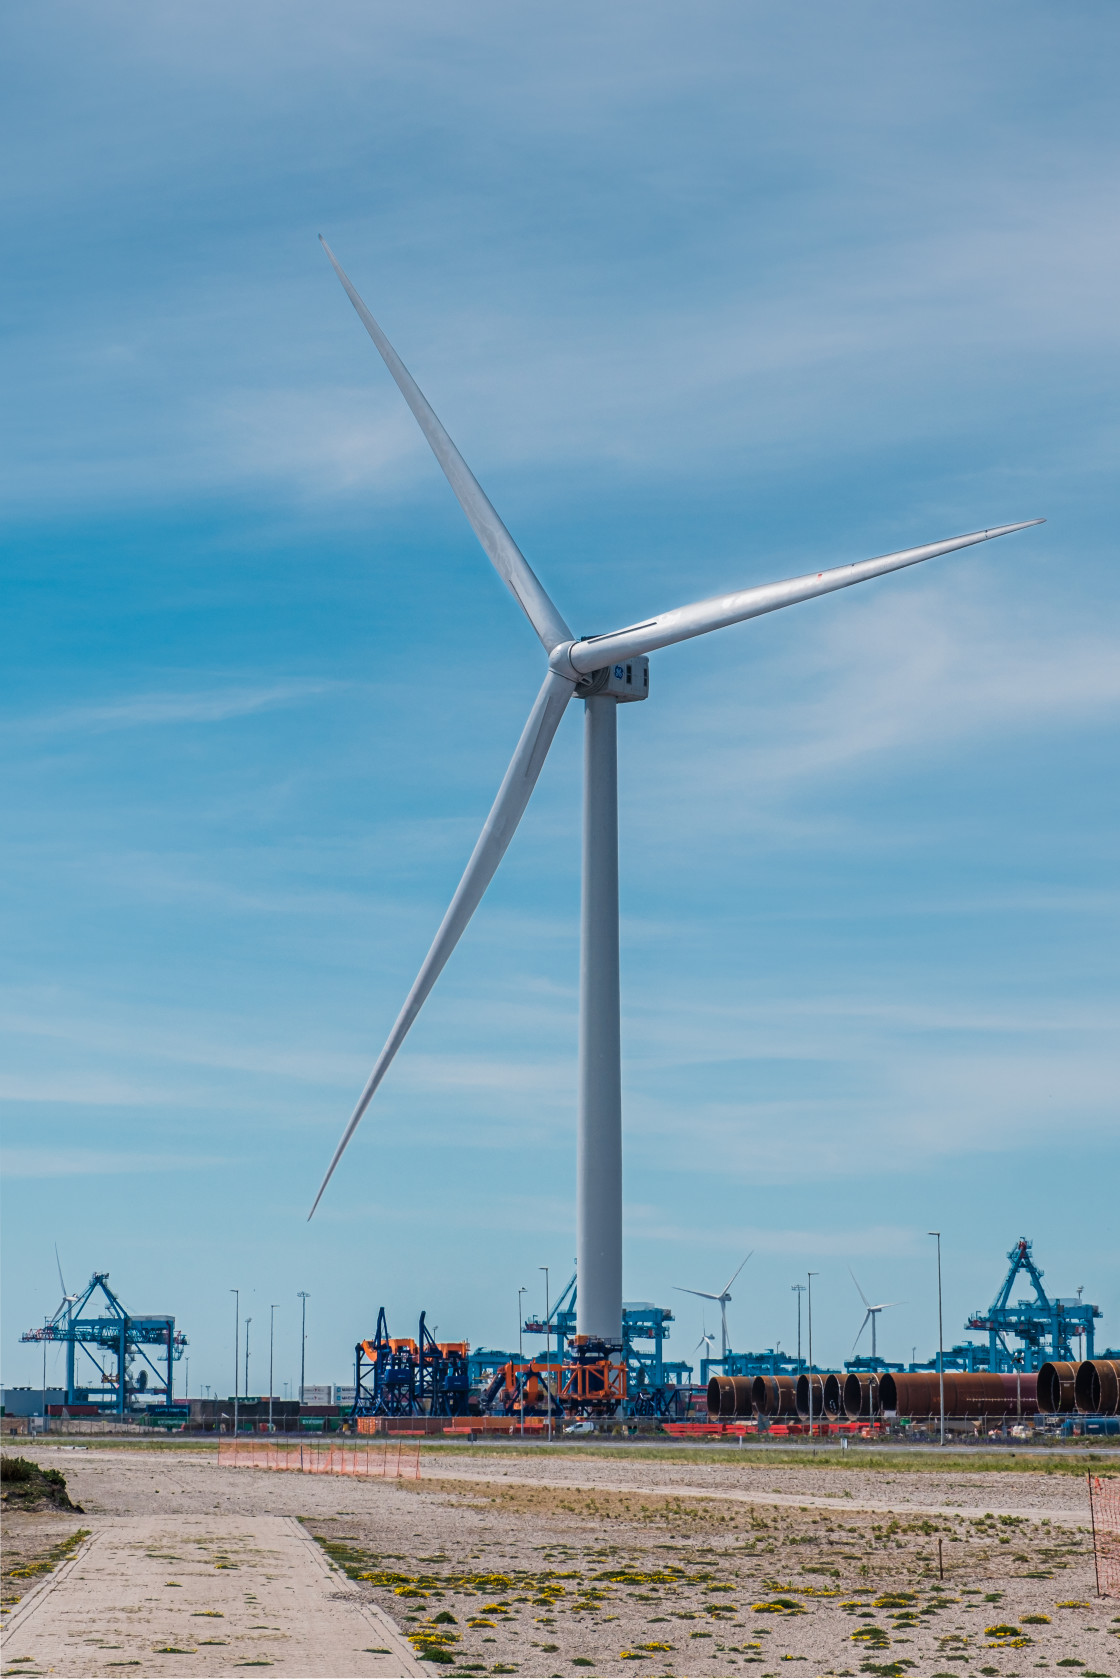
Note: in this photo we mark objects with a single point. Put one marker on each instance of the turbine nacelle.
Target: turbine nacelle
(626, 679)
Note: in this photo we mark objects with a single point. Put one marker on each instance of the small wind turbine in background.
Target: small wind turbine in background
(603, 671)
(872, 1315)
(707, 1338)
(723, 1297)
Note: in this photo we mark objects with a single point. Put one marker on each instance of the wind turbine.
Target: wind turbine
(723, 1297)
(603, 671)
(66, 1305)
(707, 1337)
(872, 1314)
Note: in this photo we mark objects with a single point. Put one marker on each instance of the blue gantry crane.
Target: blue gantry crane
(1046, 1328)
(118, 1339)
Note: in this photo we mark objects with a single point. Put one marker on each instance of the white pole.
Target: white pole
(940, 1338)
(271, 1342)
(599, 1133)
(810, 1276)
(236, 1351)
(547, 1353)
(521, 1357)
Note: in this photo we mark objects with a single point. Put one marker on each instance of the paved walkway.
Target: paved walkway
(798, 1501)
(184, 1596)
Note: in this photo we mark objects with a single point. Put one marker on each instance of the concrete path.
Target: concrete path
(183, 1596)
(798, 1501)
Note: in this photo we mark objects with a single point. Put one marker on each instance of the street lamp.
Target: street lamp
(521, 1355)
(248, 1321)
(809, 1292)
(940, 1336)
(799, 1290)
(302, 1344)
(236, 1293)
(548, 1351)
(271, 1343)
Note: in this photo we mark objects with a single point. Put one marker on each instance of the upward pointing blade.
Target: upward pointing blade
(734, 1275)
(862, 1296)
(506, 557)
(505, 814)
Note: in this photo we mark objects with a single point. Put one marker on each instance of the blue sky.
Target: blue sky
(707, 296)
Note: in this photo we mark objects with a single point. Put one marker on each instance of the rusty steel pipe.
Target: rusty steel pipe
(861, 1394)
(1097, 1387)
(744, 1396)
(834, 1394)
(775, 1396)
(967, 1393)
(802, 1399)
(716, 1386)
(1057, 1386)
(730, 1397)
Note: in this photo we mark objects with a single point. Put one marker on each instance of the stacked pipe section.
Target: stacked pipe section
(775, 1397)
(967, 1393)
(730, 1397)
(1096, 1387)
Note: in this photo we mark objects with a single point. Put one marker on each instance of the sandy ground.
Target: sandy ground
(748, 1570)
(174, 1595)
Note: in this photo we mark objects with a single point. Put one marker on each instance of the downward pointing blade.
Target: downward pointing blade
(505, 814)
(682, 623)
(507, 559)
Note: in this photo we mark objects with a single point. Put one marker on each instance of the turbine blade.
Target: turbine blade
(681, 623)
(61, 1279)
(505, 556)
(703, 1293)
(733, 1276)
(498, 830)
(862, 1296)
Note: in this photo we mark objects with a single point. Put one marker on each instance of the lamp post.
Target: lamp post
(809, 1304)
(248, 1321)
(799, 1290)
(940, 1337)
(236, 1293)
(548, 1351)
(271, 1344)
(302, 1344)
(521, 1355)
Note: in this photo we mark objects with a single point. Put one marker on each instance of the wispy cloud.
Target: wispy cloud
(140, 711)
(67, 1162)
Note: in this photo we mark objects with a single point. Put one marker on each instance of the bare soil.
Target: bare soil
(621, 1570)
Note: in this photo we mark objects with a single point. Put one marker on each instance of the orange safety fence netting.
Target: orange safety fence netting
(392, 1461)
(1104, 1512)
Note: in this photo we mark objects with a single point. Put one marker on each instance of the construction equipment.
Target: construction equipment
(396, 1376)
(120, 1337)
(655, 1386)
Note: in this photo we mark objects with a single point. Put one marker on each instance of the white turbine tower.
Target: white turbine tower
(723, 1297)
(602, 671)
(872, 1315)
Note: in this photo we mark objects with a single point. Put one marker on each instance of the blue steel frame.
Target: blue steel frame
(117, 1333)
